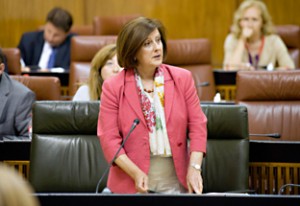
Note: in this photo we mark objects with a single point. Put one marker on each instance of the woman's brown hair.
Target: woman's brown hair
(95, 81)
(132, 37)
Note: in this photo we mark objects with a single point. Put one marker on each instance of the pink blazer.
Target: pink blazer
(120, 105)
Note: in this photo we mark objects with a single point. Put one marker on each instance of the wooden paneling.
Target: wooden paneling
(19, 16)
(284, 11)
(270, 177)
(182, 18)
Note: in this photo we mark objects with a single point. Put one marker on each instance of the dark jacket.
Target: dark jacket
(31, 47)
(15, 107)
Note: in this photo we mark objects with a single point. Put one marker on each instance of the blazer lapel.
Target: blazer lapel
(132, 96)
(169, 93)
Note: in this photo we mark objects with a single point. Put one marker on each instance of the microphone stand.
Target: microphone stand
(135, 123)
(272, 135)
(203, 84)
(285, 186)
(200, 85)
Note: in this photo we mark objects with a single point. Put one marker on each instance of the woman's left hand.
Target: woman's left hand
(194, 181)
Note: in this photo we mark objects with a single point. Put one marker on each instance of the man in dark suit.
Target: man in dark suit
(15, 105)
(49, 48)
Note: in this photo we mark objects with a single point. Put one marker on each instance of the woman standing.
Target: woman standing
(163, 97)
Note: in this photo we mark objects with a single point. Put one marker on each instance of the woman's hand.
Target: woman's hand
(194, 181)
(141, 182)
(247, 33)
(139, 177)
(194, 178)
(237, 67)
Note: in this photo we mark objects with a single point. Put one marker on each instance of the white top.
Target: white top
(82, 94)
(274, 52)
(46, 52)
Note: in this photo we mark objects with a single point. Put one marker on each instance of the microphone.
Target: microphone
(135, 123)
(272, 135)
(281, 190)
(202, 84)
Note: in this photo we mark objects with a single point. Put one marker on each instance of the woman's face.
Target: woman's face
(252, 19)
(110, 68)
(150, 55)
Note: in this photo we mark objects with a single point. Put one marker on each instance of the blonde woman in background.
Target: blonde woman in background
(14, 190)
(104, 65)
(253, 44)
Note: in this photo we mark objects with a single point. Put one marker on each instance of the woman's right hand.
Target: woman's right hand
(139, 177)
(141, 182)
(247, 33)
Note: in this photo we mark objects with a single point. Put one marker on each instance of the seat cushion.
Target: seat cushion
(66, 163)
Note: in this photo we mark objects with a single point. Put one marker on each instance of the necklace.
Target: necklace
(149, 91)
(254, 62)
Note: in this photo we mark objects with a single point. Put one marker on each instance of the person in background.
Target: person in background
(104, 65)
(156, 156)
(15, 105)
(253, 44)
(4, 61)
(49, 48)
(14, 190)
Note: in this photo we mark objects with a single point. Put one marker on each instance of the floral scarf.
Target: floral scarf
(154, 113)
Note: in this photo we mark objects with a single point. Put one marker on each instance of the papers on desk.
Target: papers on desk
(11, 138)
(57, 69)
(224, 194)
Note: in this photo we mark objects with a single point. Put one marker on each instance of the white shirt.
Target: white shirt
(82, 94)
(46, 52)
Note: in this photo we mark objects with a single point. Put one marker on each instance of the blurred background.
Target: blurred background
(182, 18)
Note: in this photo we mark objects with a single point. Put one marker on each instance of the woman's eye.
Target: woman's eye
(147, 43)
(108, 63)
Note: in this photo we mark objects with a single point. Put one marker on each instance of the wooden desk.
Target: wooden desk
(63, 77)
(157, 199)
(15, 151)
(14, 148)
(225, 83)
(223, 77)
(223, 102)
(272, 163)
(274, 151)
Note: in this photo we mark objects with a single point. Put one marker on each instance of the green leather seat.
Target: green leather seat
(66, 155)
(226, 165)
(65, 151)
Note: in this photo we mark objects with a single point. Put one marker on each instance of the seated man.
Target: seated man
(15, 105)
(5, 63)
(49, 48)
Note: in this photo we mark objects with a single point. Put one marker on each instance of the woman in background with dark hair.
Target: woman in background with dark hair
(156, 155)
